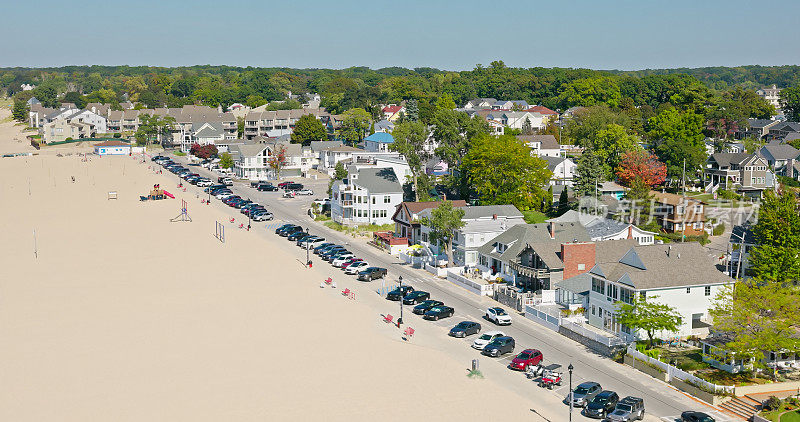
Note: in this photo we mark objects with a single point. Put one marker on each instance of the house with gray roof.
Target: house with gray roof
(481, 224)
(781, 158)
(563, 170)
(366, 196)
(747, 174)
(251, 159)
(542, 145)
(681, 275)
(601, 228)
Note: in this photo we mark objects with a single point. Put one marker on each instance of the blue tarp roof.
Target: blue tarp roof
(381, 137)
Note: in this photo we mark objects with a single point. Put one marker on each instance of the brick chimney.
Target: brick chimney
(630, 232)
(551, 228)
(578, 258)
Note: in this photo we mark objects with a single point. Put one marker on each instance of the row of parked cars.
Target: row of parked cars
(430, 309)
(182, 172)
(336, 255)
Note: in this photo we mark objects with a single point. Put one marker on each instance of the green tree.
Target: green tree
(648, 315)
(339, 173)
(777, 255)
(590, 91)
(409, 141)
(47, 94)
(240, 127)
(588, 173)
(790, 102)
(610, 143)
(586, 123)
(20, 110)
(759, 316)
(501, 170)
(527, 128)
(563, 202)
(412, 110)
(308, 129)
(454, 133)
(444, 221)
(355, 123)
(75, 98)
(445, 102)
(225, 160)
(153, 128)
(678, 136)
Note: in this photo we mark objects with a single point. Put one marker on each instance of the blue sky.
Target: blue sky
(447, 34)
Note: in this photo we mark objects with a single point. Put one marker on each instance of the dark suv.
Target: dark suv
(601, 405)
(372, 273)
(266, 187)
(399, 292)
(499, 346)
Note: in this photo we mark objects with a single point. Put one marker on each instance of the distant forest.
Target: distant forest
(556, 88)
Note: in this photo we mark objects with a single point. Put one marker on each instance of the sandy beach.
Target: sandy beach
(112, 312)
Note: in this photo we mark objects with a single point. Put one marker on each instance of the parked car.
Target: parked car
(293, 186)
(526, 358)
(322, 202)
(416, 297)
(282, 185)
(601, 405)
(350, 262)
(262, 216)
(254, 183)
(227, 181)
(438, 312)
(341, 256)
(314, 243)
(464, 329)
(486, 338)
(288, 194)
(399, 292)
(498, 315)
(266, 187)
(628, 409)
(499, 346)
(224, 195)
(583, 394)
(293, 237)
(322, 246)
(332, 252)
(204, 182)
(290, 231)
(371, 273)
(425, 306)
(305, 192)
(341, 259)
(284, 227)
(692, 416)
(356, 267)
(330, 249)
(300, 241)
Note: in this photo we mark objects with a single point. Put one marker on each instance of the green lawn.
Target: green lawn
(791, 417)
(532, 217)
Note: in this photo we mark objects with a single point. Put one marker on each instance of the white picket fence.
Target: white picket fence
(554, 322)
(674, 372)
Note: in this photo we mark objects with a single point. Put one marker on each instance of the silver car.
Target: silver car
(583, 394)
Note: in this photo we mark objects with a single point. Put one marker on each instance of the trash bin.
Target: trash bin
(474, 364)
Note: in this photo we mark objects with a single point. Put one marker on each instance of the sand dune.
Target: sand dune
(126, 316)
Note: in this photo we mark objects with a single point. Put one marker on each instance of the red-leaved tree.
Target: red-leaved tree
(640, 166)
(277, 160)
(204, 151)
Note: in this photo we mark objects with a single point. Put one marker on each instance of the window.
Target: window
(374, 200)
(612, 291)
(626, 296)
(581, 267)
(593, 309)
(387, 199)
(598, 286)
(708, 290)
(688, 290)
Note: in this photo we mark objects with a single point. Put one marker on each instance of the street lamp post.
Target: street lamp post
(308, 260)
(571, 395)
(400, 320)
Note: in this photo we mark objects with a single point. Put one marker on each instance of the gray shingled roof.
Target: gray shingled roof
(781, 152)
(318, 146)
(725, 159)
(665, 266)
(484, 211)
(537, 237)
(552, 162)
(209, 130)
(378, 180)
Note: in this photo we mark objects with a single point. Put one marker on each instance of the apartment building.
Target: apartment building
(366, 196)
(272, 124)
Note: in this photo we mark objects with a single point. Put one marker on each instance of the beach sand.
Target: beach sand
(123, 315)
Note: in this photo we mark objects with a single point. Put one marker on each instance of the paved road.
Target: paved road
(661, 400)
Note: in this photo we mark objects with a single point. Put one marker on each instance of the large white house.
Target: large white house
(563, 170)
(251, 160)
(542, 145)
(367, 196)
(481, 224)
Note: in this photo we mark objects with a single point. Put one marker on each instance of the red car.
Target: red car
(526, 358)
(282, 185)
(347, 263)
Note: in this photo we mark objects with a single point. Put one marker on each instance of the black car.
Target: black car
(322, 246)
(499, 346)
(399, 292)
(425, 306)
(293, 186)
(335, 250)
(691, 416)
(296, 235)
(438, 312)
(266, 187)
(212, 188)
(371, 273)
(290, 231)
(465, 328)
(601, 405)
(415, 297)
(284, 227)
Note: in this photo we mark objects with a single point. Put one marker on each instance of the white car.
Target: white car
(355, 267)
(262, 216)
(341, 259)
(289, 194)
(305, 192)
(224, 195)
(314, 243)
(204, 183)
(486, 338)
(498, 316)
(320, 202)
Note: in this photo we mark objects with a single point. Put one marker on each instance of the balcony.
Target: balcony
(347, 202)
(529, 271)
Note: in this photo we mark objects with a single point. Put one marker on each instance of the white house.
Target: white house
(563, 170)
(392, 112)
(681, 275)
(600, 228)
(112, 147)
(366, 196)
(204, 133)
(481, 224)
(251, 160)
(378, 142)
(542, 145)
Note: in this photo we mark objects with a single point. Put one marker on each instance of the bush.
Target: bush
(69, 139)
(788, 181)
(719, 229)
(117, 135)
(180, 153)
(772, 403)
(730, 195)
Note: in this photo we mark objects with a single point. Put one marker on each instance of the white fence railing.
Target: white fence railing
(674, 372)
(555, 321)
(482, 289)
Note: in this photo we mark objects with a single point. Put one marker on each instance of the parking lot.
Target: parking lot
(661, 401)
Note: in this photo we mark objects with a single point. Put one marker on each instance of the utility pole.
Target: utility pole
(400, 320)
(685, 204)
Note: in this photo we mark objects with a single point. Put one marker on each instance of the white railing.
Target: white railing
(592, 335)
(674, 372)
(475, 287)
(555, 321)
